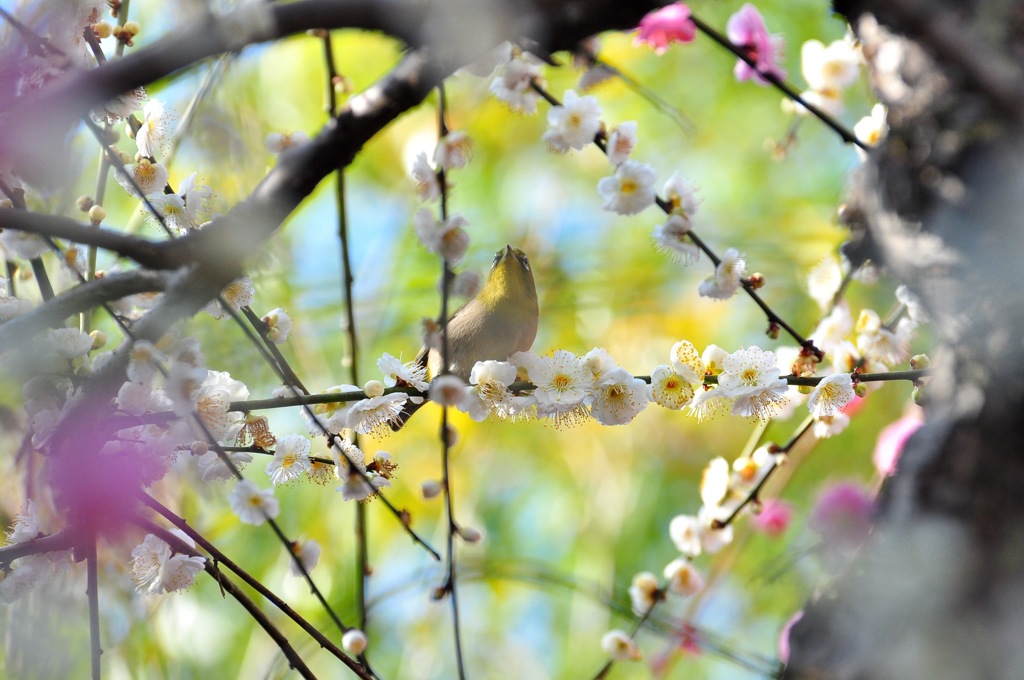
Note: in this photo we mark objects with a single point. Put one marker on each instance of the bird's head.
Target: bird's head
(510, 280)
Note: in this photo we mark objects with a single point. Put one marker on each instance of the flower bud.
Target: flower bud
(97, 214)
(373, 388)
(431, 488)
(354, 641)
(84, 203)
(920, 361)
(99, 339)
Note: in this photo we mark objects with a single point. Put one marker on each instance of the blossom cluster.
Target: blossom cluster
(25, 573)
(566, 389)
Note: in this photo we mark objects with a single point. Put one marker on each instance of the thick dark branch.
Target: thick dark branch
(150, 254)
(65, 540)
(19, 332)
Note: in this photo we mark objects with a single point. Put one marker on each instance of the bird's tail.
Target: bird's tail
(403, 417)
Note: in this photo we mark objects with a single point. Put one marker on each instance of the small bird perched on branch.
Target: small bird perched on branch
(500, 321)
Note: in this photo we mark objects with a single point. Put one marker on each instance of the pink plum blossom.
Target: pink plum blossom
(747, 31)
(891, 441)
(784, 636)
(665, 26)
(843, 515)
(774, 517)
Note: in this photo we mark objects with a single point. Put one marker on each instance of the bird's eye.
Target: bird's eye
(497, 258)
(525, 261)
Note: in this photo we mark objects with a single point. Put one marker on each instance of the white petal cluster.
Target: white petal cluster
(630, 189)
(573, 124)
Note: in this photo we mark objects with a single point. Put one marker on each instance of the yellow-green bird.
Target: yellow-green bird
(500, 321)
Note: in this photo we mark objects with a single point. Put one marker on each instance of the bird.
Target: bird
(501, 320)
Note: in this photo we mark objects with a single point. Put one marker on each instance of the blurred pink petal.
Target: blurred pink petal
(774, 517)
(784, 636)
(665, 26)
(891, 441)
(842, 514)
(746, 29)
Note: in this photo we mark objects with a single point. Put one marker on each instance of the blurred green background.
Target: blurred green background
(569, 516)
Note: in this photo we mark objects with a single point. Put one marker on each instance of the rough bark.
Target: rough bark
(938, 591)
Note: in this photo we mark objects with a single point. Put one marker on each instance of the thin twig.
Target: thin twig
(787, 89)
(92, 593)
(294, 660)
(449, 585)
(220, 558)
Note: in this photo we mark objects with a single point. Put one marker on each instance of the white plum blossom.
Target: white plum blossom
(453, 150)
(171, 211)
(143, 361)
(397, 373)
(448, 390)
(377, 414)
(621, 141)
(10, 305)
(252, 504)
(26, 525)
(332, 416)
(687, 362)
(872, 129)
(212, 467)
(617, 398)
(751, 378)
(488, 392)
(563, 384)
(213, 399)
(832, 67)
(682, 578)
(599, 362)
(644, 592)
(276, 142)
(152, 133)
(237, 294)
(685, 531)
(23, 244)
(195, 197)
(620, 647)
(24, 575)
(466, 284)
(824, 280)
(829, 426)
(447, 239)
(670, 238)
(573, 124)
(833, 330)
(279, 325)
(726, 279)
(630, 189)
(291, 459)
(669, 389)
(65, 343)
(831, 395)
(514, 83)
(308, 553)
(134, 398)
(428, 186)
(156, 569)
(714, 482)
(143, 178)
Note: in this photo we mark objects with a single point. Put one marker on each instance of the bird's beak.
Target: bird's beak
(508, 250)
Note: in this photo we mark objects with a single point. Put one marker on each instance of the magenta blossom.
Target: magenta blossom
(665, 26)
(784, 635)
(843, 515)
(774, 517)
(747, 31)
(891, 441)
